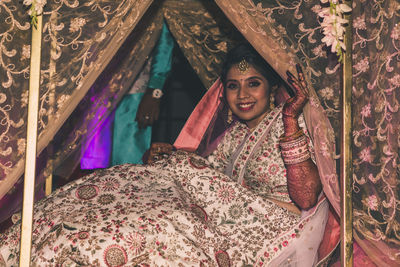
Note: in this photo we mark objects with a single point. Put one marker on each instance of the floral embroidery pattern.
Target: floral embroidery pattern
(375, 151)
(153, 217)
(264, 168)
(136, 242)
(115, 255)
(226, 194)
(87, 192)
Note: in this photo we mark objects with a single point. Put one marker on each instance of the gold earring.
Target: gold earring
(229, 120)
(271, 101)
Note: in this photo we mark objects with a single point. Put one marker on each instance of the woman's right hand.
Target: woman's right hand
(157, 151)
(294, 106)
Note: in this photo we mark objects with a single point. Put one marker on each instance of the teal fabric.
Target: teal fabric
(162, 59)
(129, 142)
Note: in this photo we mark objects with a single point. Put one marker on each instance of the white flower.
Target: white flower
(333, 25)
(343, 8)
(316, 9)
(39, 4)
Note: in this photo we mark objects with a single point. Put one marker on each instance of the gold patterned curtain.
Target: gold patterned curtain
(376, 128)
(285, 32)
(204, 51)
(203, 34)
(89, 42)
(105, 94)
(79, 39)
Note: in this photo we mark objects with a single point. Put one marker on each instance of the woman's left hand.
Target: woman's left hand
(294, 106)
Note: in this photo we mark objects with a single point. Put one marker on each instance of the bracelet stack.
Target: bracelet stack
(294, 148)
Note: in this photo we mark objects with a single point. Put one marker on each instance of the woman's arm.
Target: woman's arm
(304, 184)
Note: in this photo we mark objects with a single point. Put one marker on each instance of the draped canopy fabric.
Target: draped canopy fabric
(80, 37)
(376, 125)
(203, 34)
(97, 100)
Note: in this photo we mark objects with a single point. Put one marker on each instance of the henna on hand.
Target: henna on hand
(294, 106)
(304, 184)
(290, 125)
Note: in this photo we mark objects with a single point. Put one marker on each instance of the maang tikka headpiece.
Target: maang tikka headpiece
(243, 66)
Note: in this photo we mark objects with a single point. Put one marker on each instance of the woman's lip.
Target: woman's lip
(245, 106)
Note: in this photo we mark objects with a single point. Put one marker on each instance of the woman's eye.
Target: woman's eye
(254, 84)
(231, 86)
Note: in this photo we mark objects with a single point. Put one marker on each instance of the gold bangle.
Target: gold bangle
(291, 137)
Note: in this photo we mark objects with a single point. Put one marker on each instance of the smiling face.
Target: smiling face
(247, 94)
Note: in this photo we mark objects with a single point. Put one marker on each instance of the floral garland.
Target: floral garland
(35, 10)
(333, 25)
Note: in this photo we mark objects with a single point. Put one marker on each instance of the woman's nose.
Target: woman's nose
(242, 92)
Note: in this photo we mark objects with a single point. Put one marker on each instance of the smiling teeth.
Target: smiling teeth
(245, 105)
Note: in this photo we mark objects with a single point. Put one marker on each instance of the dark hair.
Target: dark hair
(247, 52)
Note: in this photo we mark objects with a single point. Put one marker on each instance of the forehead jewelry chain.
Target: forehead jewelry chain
(243, 66)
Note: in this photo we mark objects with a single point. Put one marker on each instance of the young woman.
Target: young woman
(254, 199)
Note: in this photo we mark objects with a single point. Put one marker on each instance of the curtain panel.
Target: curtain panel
(376, 125)
(79, 39)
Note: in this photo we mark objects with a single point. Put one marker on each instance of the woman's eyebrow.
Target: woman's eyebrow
(254, 77)
(246, 79)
